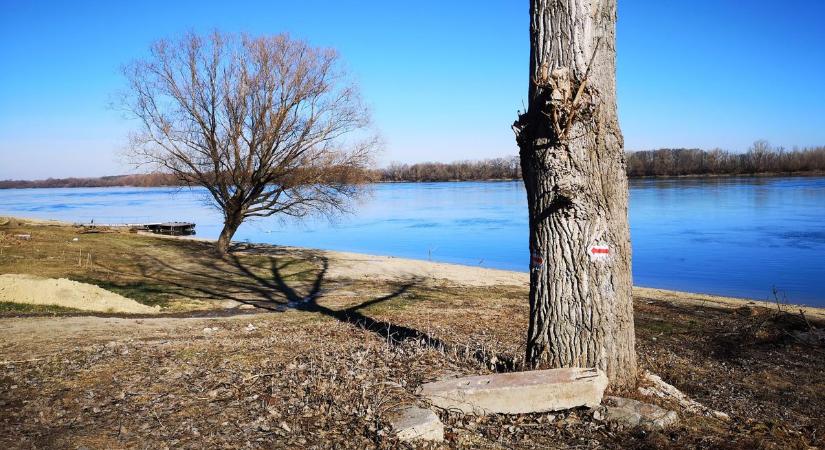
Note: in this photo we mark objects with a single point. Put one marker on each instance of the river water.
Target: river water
(729, 236)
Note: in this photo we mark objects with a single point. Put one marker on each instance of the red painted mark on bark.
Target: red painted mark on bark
(598, 252)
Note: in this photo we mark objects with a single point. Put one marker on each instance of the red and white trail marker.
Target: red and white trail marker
(598, 252)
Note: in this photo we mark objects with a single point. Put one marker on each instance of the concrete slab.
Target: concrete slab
(634, 413)
(411, 423)
(656, 387)
(519, 392)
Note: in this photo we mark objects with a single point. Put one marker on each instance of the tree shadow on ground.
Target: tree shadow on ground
(279, 285)
(393, 333)
(277, 280)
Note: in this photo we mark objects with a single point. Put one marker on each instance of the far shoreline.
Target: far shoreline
(37, 184)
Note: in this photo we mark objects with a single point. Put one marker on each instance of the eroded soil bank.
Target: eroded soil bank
(306, 350)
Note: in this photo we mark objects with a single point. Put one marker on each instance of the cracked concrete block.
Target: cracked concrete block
(519, 392)
(411, 423)
(634, 413)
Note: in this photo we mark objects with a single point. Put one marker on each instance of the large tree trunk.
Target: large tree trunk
(581, 309)
(231, 223)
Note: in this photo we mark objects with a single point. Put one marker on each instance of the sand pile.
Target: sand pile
(36, 290)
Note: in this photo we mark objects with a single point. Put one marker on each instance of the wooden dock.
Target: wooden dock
(172, 228)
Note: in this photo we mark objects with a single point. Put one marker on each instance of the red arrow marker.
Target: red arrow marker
(598, 252)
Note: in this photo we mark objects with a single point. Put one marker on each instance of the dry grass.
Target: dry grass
(179, 275)
(324, 369)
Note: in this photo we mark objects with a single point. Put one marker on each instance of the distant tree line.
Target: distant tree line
(138, 180)
(488, 169)
(761, 158)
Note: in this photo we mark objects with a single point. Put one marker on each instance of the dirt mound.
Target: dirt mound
(35, 290)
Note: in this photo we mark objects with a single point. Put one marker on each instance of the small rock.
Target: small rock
(720, 415)
(568, 421)
(814, 336)
(412, 423)
(250, 328)
(448, 375)
(285, 427)
(635, 413)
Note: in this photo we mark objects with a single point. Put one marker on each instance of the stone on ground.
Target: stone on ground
(635, 413)
(411, 423)
(659, 388)
(519, 392)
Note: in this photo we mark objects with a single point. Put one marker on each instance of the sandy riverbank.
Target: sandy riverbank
(357, 265)
(354, 265)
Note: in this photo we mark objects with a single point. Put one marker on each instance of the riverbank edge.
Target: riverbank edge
(801, 174)
(351, 265)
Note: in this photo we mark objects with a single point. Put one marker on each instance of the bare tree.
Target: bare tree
(268, 125)
(581, 308)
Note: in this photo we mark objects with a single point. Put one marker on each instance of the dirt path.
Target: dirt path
(33, 337)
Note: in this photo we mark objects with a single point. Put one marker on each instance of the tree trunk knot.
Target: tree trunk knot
(567, 101)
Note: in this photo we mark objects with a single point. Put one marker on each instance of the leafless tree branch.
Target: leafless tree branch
(268, 125)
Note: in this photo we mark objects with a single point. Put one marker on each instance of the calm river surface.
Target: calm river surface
(727, 236)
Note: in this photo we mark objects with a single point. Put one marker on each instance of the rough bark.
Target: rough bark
(230, 226)
(571, 149)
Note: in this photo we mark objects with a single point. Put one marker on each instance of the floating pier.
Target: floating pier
(172, 228)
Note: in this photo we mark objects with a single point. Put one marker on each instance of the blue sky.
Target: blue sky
(444, 78)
